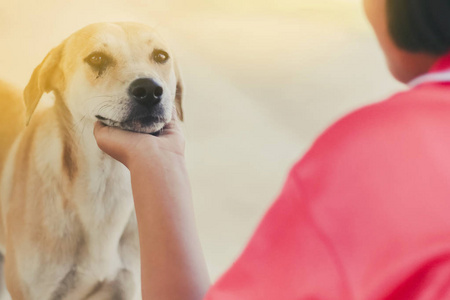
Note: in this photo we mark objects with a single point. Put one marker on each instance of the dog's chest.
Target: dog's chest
(108, 207)
(105, 258)
(107, 216)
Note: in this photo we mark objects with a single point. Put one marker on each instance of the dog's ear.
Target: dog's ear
(179, 92)
(46, 77)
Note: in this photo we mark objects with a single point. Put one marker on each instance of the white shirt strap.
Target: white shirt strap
(443, 76)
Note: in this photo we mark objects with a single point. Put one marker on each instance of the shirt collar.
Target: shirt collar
(439, 72)
(443, 63)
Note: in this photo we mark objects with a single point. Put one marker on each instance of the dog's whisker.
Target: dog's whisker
(74, 124)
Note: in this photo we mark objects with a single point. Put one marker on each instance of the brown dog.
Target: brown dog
(68, 227)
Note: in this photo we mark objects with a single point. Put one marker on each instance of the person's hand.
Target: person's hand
(135, 149)
(164, 210)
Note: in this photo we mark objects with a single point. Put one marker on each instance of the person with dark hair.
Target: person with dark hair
(363, 215)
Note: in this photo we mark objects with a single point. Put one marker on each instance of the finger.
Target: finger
(113, 133)
(113, 141)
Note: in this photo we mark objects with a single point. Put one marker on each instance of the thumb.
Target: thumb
(114, 141)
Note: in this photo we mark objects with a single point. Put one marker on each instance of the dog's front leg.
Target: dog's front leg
(4, 294)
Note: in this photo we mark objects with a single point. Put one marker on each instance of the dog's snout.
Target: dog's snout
(146, 91)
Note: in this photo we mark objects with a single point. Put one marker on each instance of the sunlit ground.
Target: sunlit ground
(263, 79)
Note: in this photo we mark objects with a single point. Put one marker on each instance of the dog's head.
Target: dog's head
(122, 74)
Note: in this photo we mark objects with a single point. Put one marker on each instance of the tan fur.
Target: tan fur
(66, 208)
(12, 122)
(12, 117)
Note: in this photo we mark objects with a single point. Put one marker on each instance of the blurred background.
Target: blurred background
(263, 79)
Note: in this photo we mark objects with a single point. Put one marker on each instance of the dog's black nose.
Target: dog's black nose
(146, 91)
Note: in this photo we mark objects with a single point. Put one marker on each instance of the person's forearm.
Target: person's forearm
(172, 262)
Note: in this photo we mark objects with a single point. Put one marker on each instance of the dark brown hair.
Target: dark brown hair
(420, 25)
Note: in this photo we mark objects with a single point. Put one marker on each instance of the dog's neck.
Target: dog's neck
(99, 187)
(80, 150)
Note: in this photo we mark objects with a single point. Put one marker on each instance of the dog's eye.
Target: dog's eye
(97, 59)
(160, 56)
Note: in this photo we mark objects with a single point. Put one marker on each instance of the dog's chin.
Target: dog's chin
(141, 125)
(154, 129)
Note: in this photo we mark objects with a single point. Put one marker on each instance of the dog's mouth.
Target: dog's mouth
(138, 124)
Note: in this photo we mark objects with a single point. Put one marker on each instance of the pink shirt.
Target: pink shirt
(365, 214)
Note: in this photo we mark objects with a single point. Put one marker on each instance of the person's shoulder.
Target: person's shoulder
(385, 126)
(403, 111)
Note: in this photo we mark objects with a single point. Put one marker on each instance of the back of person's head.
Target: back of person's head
(420, 25)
